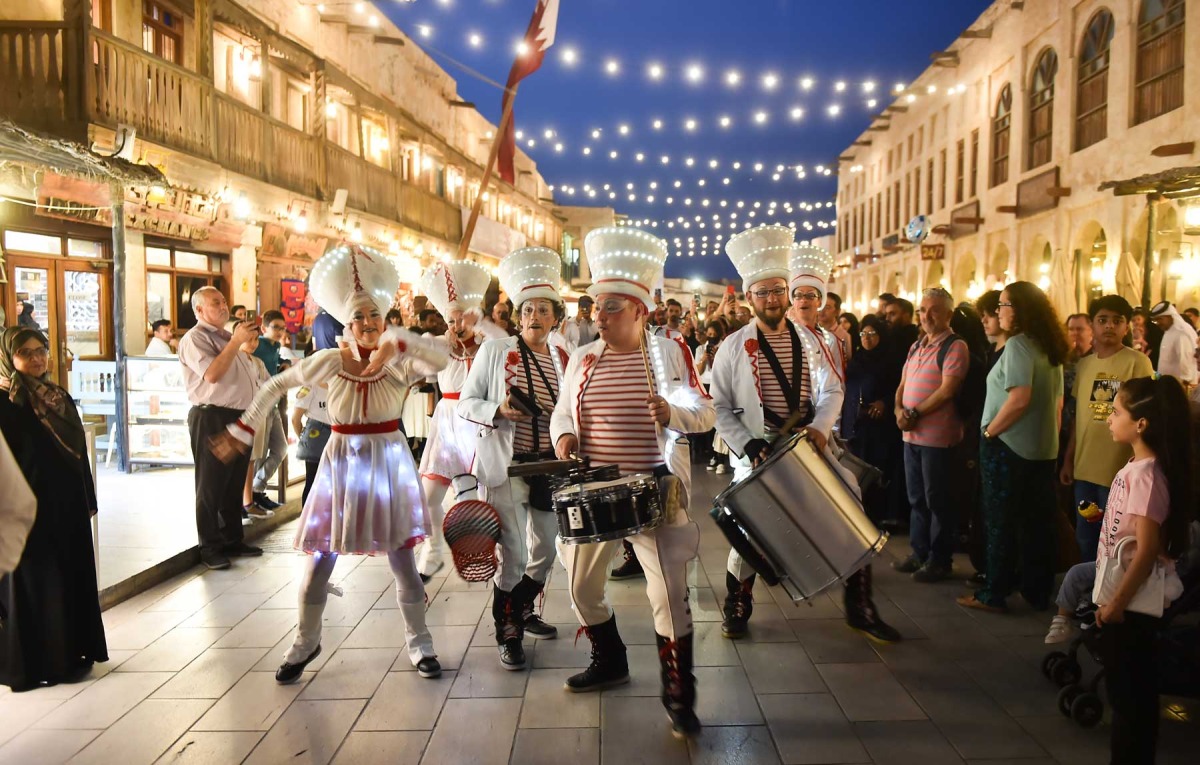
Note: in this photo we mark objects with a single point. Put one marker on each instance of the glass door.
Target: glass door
(34, 299)
(85, 311)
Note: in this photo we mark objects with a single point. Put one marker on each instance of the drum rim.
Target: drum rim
(872, 552)
(625, 480)
(598, 538)
(776, 455)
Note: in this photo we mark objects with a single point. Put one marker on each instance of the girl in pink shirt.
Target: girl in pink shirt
(1150, 500)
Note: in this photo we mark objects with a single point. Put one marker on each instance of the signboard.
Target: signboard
(278, 242)
(968, 211)
(492, 238)
(1033, 194)
(933, 252)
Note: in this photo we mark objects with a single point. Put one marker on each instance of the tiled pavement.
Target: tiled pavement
(190, 681)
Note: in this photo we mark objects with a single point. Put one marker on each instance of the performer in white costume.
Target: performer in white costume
(365, 499)
(534, 366)
(456, 289)
(615, 410)
(770, 371)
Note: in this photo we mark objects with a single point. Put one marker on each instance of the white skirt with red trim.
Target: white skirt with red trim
(450, 450)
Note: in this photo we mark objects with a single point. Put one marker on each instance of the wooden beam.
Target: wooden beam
(1006, 208)
(879, 128)
(862, 143)
(967, 221)
(941, 229)
(1018, 5)
(1174, 149)
(463, 104)
(896, 108)
(846, 158)
(977, 34)
(385, 40)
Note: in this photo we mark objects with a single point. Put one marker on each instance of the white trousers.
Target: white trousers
(735, 565)
(410, 596)
(664, 553)
(526, 535)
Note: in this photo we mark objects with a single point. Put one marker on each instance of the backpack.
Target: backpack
(971, 394)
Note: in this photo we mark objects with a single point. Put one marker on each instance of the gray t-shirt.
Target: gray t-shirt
(1035, 435)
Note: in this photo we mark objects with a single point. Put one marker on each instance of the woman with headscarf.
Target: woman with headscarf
(867, 425)
(50, 626)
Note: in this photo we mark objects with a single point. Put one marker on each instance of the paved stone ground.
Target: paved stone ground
(190, 681)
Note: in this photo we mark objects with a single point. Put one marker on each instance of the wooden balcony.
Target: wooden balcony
(41, 72)
(251, 143)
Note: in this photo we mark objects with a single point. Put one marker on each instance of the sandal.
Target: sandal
(970, 601)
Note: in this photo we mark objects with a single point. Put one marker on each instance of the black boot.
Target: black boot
(679, 684)
(609, 667)
(631, 568)
(508, 630)
(525, 594)
(861, 613)
(739, 604)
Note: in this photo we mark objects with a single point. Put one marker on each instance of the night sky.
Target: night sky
(883, 42)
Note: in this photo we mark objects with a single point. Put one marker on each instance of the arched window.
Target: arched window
(1159, 75)
(1041, 109)
(1001, 130)
(1091, 104)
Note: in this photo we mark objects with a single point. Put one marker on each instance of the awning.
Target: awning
(19, 146)
(1172, 184)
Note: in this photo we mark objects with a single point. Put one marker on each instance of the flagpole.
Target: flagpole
(469, 230)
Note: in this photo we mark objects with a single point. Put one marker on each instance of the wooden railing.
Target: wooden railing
(253, 144)
(430, 213)
(40, 82)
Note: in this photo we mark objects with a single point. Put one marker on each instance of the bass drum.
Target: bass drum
(797, 521)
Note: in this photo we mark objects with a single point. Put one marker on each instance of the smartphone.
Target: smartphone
(658, 295)
(252, 317)
(696, 298)
(730, 290)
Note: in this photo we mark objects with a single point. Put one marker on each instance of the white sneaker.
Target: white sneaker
(722, 469)
(247, 521)
(1061, 630)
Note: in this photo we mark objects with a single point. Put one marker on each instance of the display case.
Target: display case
(158, 410)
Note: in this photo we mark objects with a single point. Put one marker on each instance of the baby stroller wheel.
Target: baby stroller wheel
(1049, 661)
(1066, 697)
(1087, 710)
(1066, 672)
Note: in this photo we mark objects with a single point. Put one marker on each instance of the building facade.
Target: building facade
(1004, 143)
(281, 128)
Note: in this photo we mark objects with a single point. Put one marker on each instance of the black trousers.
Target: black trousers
(218, 485)
(310, 475)
(1131, 675)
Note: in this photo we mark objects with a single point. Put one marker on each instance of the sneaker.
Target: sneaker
(630, 569)
(722, 469)
(712, 464)
(536, 628)
(266, 503)
(931, 572)
(512, 654)
(909, 565)
(214, 561)
(429, 667)
(246, 519)
(290, 673)
(242, 550)
(254, 510)
(1061, 630)
(684, 723)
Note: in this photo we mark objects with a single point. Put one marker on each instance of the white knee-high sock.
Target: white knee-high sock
(314, 592)
(410, 596)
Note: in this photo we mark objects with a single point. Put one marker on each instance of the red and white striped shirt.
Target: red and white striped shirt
(523, 434)
(614, 421)
(772, 395)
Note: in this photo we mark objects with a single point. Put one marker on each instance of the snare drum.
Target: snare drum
(797, 521)
(584, 474)
(603, 511)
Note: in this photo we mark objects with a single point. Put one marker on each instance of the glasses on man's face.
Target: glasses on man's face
(33, 353)
(776, 292)
(541, 310)
(614, 305)
(811, 296)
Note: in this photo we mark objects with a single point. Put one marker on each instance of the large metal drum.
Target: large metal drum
(797, 521)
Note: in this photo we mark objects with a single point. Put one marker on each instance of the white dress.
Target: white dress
(365, 498)
(450, 449)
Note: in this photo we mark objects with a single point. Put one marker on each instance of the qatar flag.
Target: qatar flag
(538, 38)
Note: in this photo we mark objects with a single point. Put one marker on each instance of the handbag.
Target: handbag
(312, 440)
(1160, 588)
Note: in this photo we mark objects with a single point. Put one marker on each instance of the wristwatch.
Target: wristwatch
(912, 414)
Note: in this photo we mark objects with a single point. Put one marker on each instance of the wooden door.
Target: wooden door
(32, 285)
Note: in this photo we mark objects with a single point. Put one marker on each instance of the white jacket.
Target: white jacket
(737, 388)
(18, 508)
(675, 380)
(1177, 352)
(497, 362)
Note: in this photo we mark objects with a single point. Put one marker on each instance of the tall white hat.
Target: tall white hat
(625, 261)
(531, 272)
(351, 276)
(761, 253)
(810, 266)
(457, 284)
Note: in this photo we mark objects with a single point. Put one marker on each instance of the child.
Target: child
(1150, 500)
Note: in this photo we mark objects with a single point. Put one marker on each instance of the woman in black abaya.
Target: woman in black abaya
(50, 626)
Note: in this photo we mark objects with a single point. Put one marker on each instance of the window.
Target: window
(172, 276)
(929, 187)
(942, 188)
(162, 31)
(917, 190)
(1159, 70)
(887, 211)
(960, 170)
(1041, 109)
(102, 14)
(1001, 133)
(878, 214)
(895, 205)
(974, 162)
(907, 199)
(1091, 102)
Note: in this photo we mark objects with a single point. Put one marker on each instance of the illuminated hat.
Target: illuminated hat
(458, 284)
(351, 276)
(625, 261)
(531, 272)
(810, 267)
(761, 253)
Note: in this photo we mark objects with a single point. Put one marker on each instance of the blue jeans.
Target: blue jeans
(928, 471)
(1087, 535)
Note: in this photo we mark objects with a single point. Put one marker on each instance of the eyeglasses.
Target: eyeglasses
(806, 296)
(277, 327)
(868, 333)
(614, 305)
(1004, 305)
(777, 292)
(33, 353)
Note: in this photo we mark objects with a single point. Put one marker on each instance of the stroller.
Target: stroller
(1178, 650)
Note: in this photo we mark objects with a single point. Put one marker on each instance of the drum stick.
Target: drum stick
(649, 375)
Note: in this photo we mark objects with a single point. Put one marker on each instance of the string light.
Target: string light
(570, 57)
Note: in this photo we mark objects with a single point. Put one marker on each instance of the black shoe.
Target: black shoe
(861, 613)
(429, 667)
(214, 561)
(875, 628)
(739, 605)
(512, 654)
(525, 594)
(630, 569)
(609, 667)
(242, 550)
(290, 673)
(679, 685)
(909, 565)
(975, 581)
(930, 573)
(266, 503)
(535, 627)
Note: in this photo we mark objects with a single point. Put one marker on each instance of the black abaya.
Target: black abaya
(51, 630)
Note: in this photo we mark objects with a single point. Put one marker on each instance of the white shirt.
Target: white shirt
(158, 347)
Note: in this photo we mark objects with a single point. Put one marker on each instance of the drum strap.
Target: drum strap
(791, 388)
(529, 358)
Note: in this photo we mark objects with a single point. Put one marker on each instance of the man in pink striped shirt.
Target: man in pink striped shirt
(926, 412)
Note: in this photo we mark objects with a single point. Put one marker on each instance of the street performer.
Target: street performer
(772, 378)
(507, 375)
(456, 289)
(629, 399)
(365, 499)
